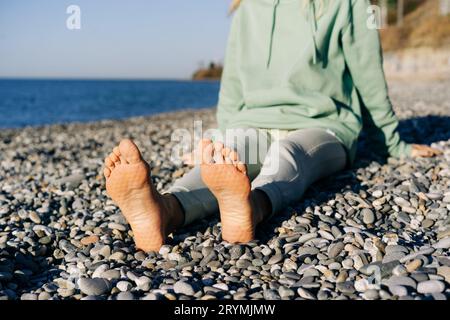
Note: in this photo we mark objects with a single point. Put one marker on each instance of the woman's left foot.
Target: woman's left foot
(226, 177)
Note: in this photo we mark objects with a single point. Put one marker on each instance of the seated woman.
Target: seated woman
(312, 69)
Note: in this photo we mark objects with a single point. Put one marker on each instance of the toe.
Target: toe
(116, 151)
(109, 163)
(242, 167)
(205, 151)
(218, 147)
(228, 160)
(106, 172)
(114, 158)
(233, 156)
(129, 152)
(218, 157)
(226, 152)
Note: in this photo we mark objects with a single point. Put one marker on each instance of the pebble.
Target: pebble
(275, 259)
(304, 293)
(117, 226)
(377, 193)
(96, 286)
(335, 249)
(398, 290)
(368, 216)
(431, 286)
(28, 296)
(413, 265)
(118, 256)
(345, 287)
(124, 286)
(445, 272)
(271, 295)
(35, 217)
(402, 281)
(89, 240)
(243, 263)
(125, 296)
(442, 244)
(371, 294)
(110, 274)
(236, 252)
(183, 287)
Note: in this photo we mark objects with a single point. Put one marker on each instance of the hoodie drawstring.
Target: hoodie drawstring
(272, 31)
(313, 25)
(311, 16)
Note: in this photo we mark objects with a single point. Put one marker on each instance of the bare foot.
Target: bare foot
(151, 216)
(227, 179)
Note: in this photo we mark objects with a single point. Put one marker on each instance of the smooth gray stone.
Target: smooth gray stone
(184, 287)
(125, 296)
(396, 248)
(393, 256)
(271, 295)
(306, 252)
(431, 286)
(306, 294)
(275, 258)
(285, 292)
(28, 296)
(401, 281)
(368, 216)
(243, 263)
(335, 249)
(345, 287)
(110, 274)
(371, 294)
(398, 290)
(67, 246)
(439, 296)
(306, 237)
(124, 286)
(236, 252)
(413, 255)
(95, 287)
(442, 244)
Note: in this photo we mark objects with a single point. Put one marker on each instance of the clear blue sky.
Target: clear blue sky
(117, 39)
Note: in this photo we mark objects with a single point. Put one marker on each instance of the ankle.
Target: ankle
(261, 205)
(173, 212)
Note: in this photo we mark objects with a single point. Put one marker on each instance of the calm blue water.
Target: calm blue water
(38, 102)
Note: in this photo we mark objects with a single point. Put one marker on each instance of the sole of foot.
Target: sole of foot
(226, 177)
(128, 183)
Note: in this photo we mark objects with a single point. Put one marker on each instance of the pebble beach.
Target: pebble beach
(380, 230)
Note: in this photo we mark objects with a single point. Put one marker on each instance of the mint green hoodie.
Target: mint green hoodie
(285, 69)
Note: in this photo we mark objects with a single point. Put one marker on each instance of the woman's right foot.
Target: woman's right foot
(226, 177)
(152, 216)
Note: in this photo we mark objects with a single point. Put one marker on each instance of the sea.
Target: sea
(41, 102)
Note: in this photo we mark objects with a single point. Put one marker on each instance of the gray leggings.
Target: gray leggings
(291, 163)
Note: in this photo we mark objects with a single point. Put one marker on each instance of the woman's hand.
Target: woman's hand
(422, 150)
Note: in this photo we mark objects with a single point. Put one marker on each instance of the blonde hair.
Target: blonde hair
(235, 4)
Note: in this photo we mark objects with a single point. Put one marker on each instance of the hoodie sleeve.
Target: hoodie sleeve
(363, 56)
(230, 96)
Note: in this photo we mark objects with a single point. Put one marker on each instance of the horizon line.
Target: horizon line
(103, 79)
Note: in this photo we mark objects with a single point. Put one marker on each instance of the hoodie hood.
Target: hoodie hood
(310, 15)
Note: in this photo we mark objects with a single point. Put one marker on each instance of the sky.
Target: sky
(165, 39)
